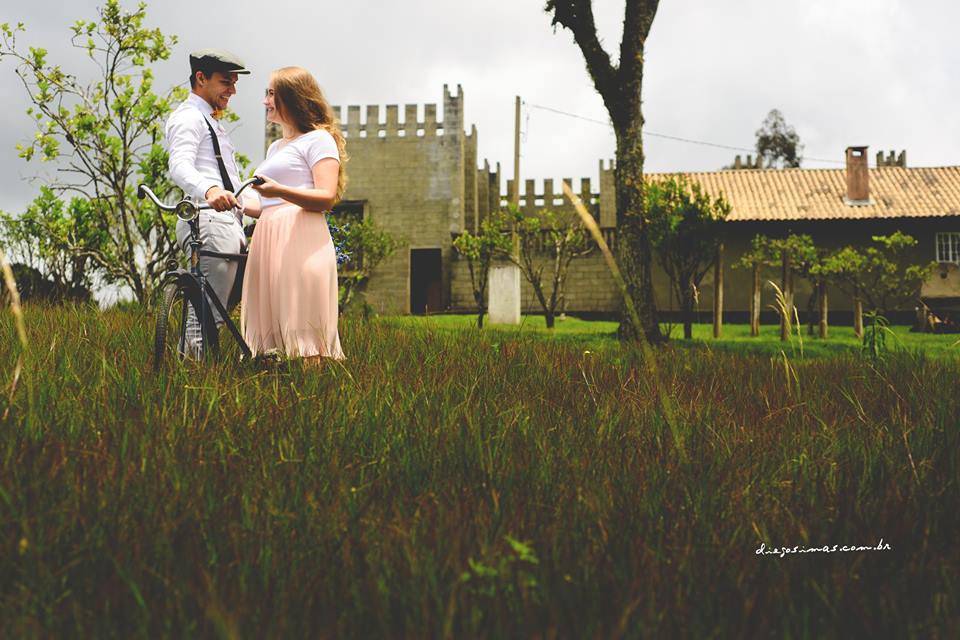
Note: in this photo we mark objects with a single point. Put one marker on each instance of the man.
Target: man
(194, 140)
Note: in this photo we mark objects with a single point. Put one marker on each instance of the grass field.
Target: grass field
(735, 337)
(454, 483)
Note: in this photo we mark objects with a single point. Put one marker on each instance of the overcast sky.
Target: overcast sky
(843, 72)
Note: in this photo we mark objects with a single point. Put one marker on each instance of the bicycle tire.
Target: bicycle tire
(171, 323)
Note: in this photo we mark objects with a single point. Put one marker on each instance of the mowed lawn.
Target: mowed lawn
(601, 334)
(445, 482)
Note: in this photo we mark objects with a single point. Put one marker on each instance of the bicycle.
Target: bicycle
(184, 287)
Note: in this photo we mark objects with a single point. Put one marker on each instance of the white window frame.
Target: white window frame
(950, 242)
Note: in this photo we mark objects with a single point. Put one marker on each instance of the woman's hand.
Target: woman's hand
(270, 188)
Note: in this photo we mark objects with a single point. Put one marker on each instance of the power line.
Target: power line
(666, 136)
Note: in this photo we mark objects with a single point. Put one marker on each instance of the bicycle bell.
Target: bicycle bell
(186, 210)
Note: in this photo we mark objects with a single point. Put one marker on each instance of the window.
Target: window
(948, 247)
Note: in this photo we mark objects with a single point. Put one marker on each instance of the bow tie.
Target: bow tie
(217, 114)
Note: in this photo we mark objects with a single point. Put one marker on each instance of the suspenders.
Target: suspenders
(227, 184)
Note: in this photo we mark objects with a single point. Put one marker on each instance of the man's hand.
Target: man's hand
(220, 199)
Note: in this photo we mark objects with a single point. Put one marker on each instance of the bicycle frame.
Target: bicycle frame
(189, 211)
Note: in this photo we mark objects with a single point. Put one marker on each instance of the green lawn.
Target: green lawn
(598, 334)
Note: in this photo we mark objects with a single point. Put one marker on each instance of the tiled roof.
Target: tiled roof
(818, 194)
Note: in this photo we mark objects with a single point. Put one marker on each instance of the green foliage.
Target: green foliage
(763, 252)
(106, 137)
(883, 275)
(547, 238)
(777, 143)
(502, 576)
(686, 227)
(366, 245)
(875, 336)
(479, 250)
(55, 238)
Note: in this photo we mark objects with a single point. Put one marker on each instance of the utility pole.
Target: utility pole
(515, 196)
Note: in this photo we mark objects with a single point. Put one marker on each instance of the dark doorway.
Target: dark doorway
(426, 292)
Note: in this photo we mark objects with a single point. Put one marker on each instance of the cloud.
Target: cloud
(875, 72)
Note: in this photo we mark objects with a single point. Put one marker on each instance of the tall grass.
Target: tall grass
(465, 484)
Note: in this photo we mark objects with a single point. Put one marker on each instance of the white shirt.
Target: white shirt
(193, 165)
(290, 163)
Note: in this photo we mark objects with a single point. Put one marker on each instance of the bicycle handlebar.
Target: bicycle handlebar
(187, 209)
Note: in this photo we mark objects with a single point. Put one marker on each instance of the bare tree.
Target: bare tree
(620, 87)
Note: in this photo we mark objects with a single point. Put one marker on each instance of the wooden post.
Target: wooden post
(858, 316)
(822, 287)
(718, 293)
(755, 302)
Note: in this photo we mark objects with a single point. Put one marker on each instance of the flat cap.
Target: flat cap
(216, 60)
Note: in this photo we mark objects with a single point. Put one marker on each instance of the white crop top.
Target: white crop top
(291, 163)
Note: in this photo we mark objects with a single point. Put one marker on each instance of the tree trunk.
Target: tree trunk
(858, 316)
(755, 303)
(687, 306)
(549, 318)
(480, 319)
(620, 87)
(718, 293)
(634, 255)
(822, 287)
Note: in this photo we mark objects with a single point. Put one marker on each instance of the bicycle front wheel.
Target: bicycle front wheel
(179, 333)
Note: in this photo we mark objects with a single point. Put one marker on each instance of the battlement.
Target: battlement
(386, 123)
(550, 192)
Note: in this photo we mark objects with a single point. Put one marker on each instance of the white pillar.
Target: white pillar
(504, 301)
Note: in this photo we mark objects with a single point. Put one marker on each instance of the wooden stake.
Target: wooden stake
(718, 293)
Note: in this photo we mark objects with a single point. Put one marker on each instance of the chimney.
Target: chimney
(858, 177)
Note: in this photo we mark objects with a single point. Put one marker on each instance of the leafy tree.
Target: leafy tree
(55, 240)
(762, 254)
(777, 143)
(479, 250)
(806, 262)
(106, 136)
(361, 246)
(686, 227)
(620, 87)
(883, 276)
(547, 238)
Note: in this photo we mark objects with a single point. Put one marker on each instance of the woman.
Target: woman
(290, 288)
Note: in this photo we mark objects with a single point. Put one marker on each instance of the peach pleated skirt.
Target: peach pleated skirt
(290, 286)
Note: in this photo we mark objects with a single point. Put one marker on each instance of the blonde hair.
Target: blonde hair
(300, 101)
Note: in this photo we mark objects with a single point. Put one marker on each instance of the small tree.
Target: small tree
(54, 239)
(111, 129)
(479, 251)
(882, 276)
(686, 228)
(806, 262)
(777, 143)
(547, 238)
(762, 254)
(361, 246)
